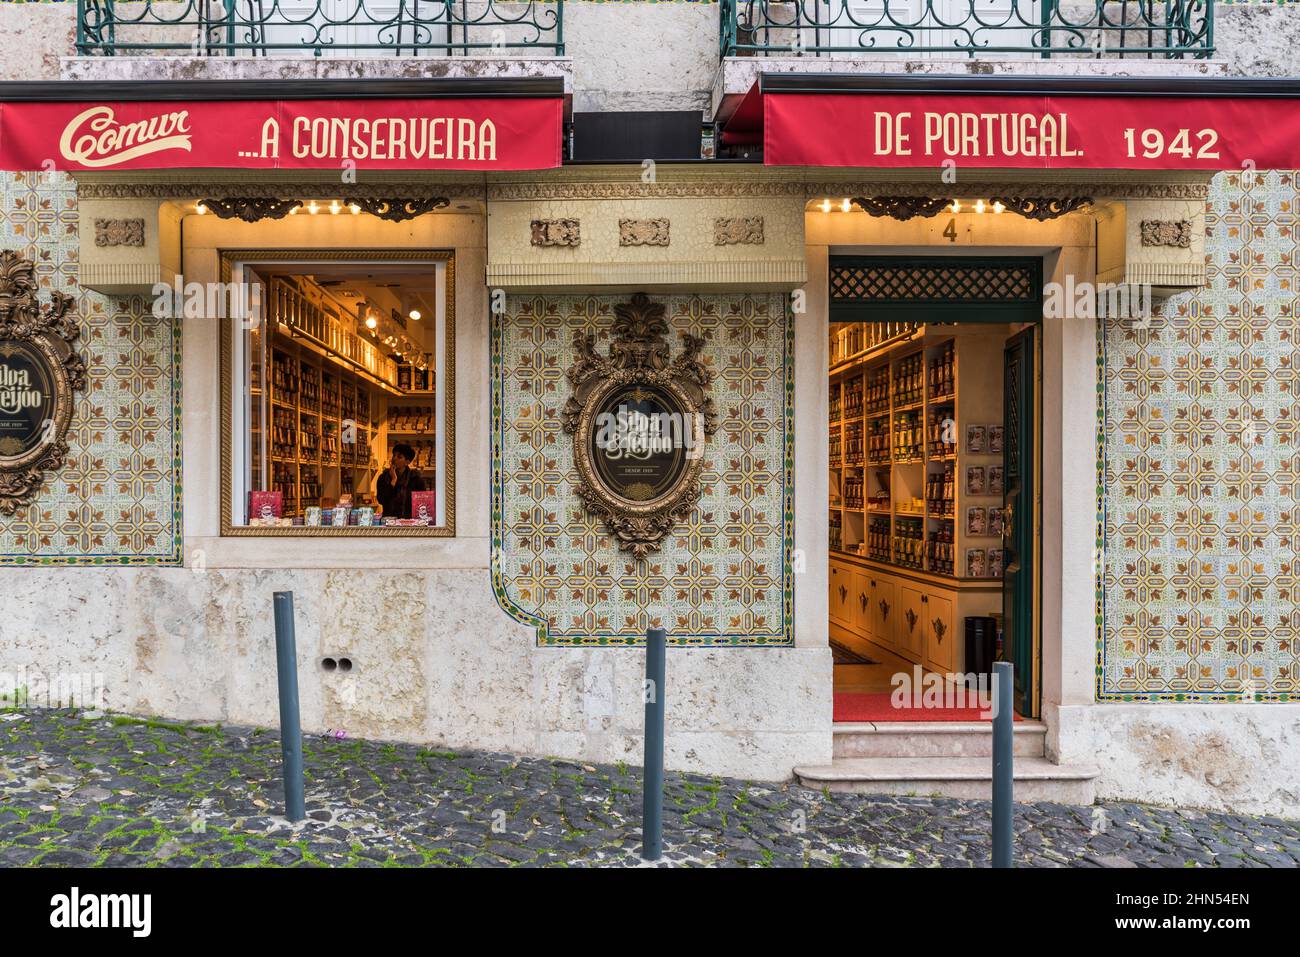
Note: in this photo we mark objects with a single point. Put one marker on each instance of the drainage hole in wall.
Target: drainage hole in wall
(329, 664)
(345, 664)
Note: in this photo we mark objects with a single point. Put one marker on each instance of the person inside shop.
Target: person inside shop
(397, 482)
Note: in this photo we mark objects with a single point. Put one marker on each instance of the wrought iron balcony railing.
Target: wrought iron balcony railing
(1153, 29)
(328, 28)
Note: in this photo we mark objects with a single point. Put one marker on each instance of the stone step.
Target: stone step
(927, 739)
(968, 778)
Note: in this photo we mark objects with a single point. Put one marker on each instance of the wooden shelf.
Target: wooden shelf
(975, 398)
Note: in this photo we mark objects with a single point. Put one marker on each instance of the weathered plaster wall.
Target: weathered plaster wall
(436, 662)
(620, 56)
(1232, 757)
(1257, 38)
(33, 37)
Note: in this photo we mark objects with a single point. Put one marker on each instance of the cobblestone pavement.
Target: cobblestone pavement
(101, 789)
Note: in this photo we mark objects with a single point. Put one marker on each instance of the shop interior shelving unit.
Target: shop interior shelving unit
(902, 398)
(325, 402)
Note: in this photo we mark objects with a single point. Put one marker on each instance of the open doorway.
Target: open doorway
(934, 510)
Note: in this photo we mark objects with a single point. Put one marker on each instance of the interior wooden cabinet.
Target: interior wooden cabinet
(915, 436)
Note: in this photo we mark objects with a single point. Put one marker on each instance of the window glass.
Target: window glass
(340, 397)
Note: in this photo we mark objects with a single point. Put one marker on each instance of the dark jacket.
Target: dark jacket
(396, 497)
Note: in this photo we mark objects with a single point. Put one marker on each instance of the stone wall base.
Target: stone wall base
(435, 661)
(1243, 758)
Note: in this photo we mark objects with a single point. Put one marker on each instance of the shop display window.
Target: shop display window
(340, 412)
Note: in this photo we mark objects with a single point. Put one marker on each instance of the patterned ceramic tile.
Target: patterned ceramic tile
(117, 500)
(1199, 592)
(723, 578)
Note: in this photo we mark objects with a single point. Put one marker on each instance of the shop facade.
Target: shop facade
(1163, 455)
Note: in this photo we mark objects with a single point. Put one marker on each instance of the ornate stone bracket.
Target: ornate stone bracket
(639, 362)
(556, 232)
(119, 232)
(1042, 208)
(39, 371)
(738, 231)
(903, 208)
(643, 232)
(395, 209)
(1167, 232)
(252, 209)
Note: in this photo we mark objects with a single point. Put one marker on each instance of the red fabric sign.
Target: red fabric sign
(1021, 132)
(466, 134)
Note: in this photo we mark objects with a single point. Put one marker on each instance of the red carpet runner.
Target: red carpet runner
(878, 707)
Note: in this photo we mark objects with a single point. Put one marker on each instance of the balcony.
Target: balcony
(320, 28)
(983, 29)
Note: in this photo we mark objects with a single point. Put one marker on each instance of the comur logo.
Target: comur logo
(73, 910)
(95, 137)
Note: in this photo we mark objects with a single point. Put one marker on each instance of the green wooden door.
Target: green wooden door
(1018, 538)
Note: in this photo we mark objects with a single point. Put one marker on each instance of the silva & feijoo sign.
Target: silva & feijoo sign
(39, 371)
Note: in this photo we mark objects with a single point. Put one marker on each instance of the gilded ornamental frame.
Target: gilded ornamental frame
(639, 357)
(447, 427)
(49, 332)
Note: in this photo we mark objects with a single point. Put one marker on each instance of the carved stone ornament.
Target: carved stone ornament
(396, 210)
(1167, 232)
(903, 208)
(738, 231)
(39, 371)
(250, 209)
(640, 419)
(119, 232)
(1043, 208)
(643, 232)
(556, 232)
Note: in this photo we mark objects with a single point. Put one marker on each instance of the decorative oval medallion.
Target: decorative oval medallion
(639, 420)
(39, 371)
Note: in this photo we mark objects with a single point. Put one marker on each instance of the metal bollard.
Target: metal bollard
(652, 777)
(286, 666)
(1003, 685)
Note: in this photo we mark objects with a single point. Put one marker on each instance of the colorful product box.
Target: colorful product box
(265, 506)
(424, 507)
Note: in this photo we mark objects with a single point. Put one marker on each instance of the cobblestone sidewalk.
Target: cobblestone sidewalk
(101, 789)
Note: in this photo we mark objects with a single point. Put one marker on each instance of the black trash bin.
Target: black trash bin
(981, 647)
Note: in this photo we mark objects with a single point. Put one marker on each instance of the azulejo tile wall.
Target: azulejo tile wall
(723, 578)
(117, 500)
(1199, 597)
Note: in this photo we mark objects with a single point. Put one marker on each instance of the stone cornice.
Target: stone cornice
(199, 188)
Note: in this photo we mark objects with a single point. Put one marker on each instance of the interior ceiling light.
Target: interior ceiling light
(826, 206)
(414, 315)
(846, 205)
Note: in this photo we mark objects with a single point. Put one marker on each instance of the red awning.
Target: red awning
(1192, 126)
(450, 132)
